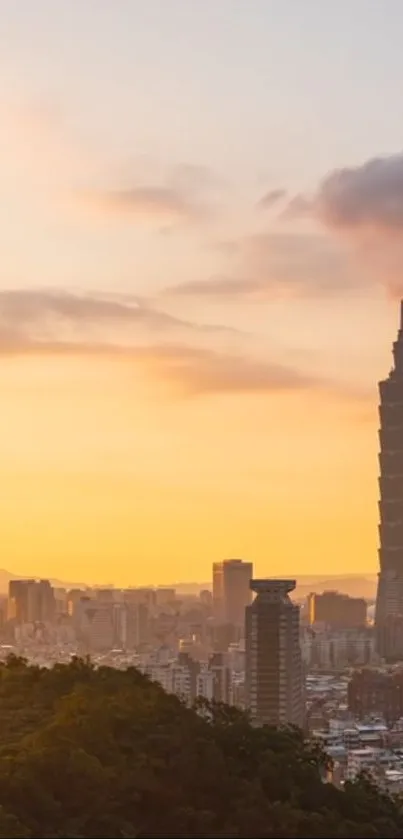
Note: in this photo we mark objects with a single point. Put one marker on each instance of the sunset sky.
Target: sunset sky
(201, 245)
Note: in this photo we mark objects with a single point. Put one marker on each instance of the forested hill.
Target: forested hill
(106, 753)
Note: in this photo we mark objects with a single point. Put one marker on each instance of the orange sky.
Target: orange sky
(107, 477)
(200, 274)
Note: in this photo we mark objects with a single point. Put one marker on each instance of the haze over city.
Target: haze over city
(201, 424)
(201, 245)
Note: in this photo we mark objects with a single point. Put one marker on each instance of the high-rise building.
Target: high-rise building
(231, 590)
(214, 681)
(274, 677)
(221, 682)
(134, 625)
(218, 591)
(95, 625)
(44, 603)
(105, 595)
(336, 610)
(18, 600)
(31, 601)
(389, 605)
(165, 596)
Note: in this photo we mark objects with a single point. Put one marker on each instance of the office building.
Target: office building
(134, 625)
(43, 602)
(165, 596)
(389, 606)
(31, 601)
(145, 596)
(231, 590)
(95, 623)
(336, 610)
(18, 600)
(221, 678)
(273, 676)
(214, 681)
(218, 591)
(105, 595)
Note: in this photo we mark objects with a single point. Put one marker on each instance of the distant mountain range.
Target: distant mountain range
(356, 585)
(6, 576)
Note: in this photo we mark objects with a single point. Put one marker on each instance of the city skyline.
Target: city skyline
(201, 252)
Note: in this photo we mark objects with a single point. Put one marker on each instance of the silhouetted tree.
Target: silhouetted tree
(88, 752)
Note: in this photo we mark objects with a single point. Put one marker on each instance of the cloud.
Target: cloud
(198, 371)
(28, 309)
(370, 195)
(190, 371)
(197, 178)
(215, 287)
(276, 265)
(149, 203)
(299, 206)
(271, 198)
(52, 323)
(154, 193)
(39, 318)
(363, 205)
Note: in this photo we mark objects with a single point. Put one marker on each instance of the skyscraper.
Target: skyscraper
(337, 610)
(31, 601)
(218, 591)
(18, 600)
(389, 605)
(274, 678)
(231, 590)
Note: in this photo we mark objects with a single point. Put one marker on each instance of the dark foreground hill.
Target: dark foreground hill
(106, 753)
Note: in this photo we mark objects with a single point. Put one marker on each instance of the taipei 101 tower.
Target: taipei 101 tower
(389, 603)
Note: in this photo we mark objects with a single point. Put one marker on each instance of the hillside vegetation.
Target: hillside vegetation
(106, 753)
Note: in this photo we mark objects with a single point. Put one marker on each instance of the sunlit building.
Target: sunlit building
(231, 590)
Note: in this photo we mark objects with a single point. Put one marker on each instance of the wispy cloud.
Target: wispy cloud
(172, 195)
(158, 204)
(189, 371)
(275, 265)
(216, 287)
(34, 318)
(53, 323)
(271, 198)
(198, 371)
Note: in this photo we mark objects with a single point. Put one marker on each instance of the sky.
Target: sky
(201, 261)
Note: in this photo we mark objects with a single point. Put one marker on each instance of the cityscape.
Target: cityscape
(201, 424)
(331, 665)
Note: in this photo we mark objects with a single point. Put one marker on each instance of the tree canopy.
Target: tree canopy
(88, 752)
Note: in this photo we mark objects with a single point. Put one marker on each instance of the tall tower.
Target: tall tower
(274, 677)
(389, 604)
(218, 591)
(231, 590)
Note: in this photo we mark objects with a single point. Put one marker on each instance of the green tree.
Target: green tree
(88, 752)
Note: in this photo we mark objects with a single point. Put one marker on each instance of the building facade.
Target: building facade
(336, 610)
(273, 673)
(31, 601)
(389, 606)
(231, 590)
